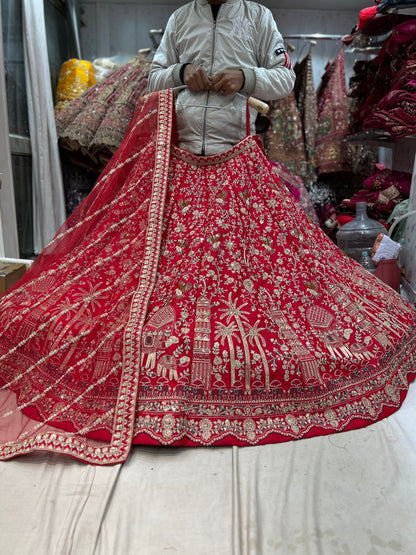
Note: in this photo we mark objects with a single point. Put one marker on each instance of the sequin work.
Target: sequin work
(192, 302)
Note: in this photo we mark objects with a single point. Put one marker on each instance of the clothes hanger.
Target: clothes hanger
(311, 43)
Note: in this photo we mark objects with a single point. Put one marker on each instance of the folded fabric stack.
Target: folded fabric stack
(92, 126)
(387, 98)
(75, 77)
(396, 111)
(361, 87)
(382, 192)
(370, 83)
(382, 89)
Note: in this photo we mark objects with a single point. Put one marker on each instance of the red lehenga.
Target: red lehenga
(190, 301)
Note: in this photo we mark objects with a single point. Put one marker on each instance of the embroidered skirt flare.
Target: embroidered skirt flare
(190, 301)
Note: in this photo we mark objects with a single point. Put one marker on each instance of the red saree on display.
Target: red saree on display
(190, 301)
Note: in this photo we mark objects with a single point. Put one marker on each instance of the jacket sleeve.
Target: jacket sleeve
(274, 77)
(165, 69)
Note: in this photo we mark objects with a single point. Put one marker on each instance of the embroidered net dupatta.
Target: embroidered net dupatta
(67, 347)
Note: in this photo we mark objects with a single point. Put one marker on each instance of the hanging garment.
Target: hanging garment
(91, 127)
(308, 109)
(283, 140)
(333, 110)
(190, 301)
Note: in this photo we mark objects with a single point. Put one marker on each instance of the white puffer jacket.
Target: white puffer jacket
(244, 36)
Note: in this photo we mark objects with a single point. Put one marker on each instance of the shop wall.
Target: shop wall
(122, 28)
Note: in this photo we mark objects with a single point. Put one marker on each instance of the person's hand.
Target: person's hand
(228, 81)
(196, 78)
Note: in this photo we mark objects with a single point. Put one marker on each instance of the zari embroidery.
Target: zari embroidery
(190, 301)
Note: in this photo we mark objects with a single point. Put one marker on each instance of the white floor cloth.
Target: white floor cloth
(351, 493)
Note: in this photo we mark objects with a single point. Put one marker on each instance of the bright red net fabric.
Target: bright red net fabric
(64, 347)
(190, 301)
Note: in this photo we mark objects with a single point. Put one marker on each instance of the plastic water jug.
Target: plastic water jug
(356, 238)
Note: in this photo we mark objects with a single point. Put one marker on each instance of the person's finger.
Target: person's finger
(188, 75)
(201, 78)
(217, 81)
(222, 83)
(218, 84)
(196, 78)
(228, 81)
(204, 79)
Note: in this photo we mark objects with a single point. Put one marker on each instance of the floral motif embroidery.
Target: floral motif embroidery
(190, 302)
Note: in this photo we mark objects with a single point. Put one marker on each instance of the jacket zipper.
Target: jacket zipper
(204, 126)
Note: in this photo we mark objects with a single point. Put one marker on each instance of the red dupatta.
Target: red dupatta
(69, 359)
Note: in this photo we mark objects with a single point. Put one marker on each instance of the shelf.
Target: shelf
(374, 49)
(408, 9)
(376, 137)
(361, 42)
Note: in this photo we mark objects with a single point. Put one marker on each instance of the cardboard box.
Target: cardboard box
(10, 273)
